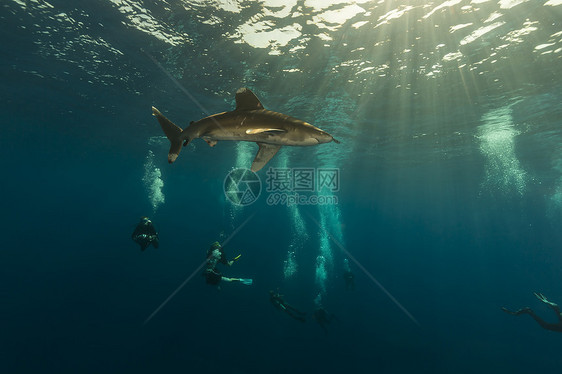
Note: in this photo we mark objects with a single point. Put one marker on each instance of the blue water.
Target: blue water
(450, 200)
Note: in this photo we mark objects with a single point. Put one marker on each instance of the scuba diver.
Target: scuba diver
(215, 255)
(213, 276)
(321, 315)
(348, 275)
(323, 318)
(145, 234)
(545, 325)
(277, 300)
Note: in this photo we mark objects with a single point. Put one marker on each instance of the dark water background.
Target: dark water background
(451, 186)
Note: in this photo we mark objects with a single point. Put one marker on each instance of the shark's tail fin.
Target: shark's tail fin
(172, 132)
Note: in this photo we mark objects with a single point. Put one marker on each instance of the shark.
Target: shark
(249, 122)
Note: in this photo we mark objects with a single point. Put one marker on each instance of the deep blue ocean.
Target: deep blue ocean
(449, 194)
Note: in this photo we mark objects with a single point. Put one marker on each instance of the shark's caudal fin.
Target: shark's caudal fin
(172, 132)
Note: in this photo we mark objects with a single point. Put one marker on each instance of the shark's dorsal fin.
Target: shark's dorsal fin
(266, 152)
(260, 131)
(246, 100)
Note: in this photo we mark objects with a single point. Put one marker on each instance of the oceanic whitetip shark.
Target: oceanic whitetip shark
(249, 122)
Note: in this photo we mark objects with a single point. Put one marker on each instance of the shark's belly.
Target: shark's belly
(251, 129)
(276, 139)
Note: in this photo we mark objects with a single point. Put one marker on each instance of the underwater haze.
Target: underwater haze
(444, 197)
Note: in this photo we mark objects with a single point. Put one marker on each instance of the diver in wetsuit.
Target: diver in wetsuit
(545, 325)
(321, 315)
(215, 256)
(145, 234)
(277, 300)
(323, 318)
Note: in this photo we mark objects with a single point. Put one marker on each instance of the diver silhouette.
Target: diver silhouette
(545, 325)
(213, 276)
(279, 302)
(321, 315)
(145, 234)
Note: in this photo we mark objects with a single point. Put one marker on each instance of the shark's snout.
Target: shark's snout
(323, 137)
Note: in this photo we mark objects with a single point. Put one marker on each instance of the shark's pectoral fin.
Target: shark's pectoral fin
(173, 133)
(211, 143)
(265, 153)
(263, 130)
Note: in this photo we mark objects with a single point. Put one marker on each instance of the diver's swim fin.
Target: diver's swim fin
(247, 282)
(236, 258)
